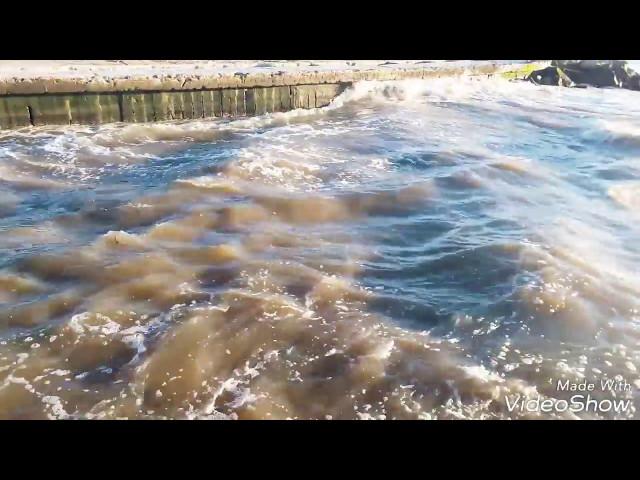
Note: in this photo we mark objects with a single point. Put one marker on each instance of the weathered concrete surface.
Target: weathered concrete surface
(95, 108)
(92, 99)
(33, 81)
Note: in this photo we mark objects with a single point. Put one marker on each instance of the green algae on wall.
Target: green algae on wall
(520, 72)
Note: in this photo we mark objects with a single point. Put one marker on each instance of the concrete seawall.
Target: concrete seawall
(95, 108)
(34, 101)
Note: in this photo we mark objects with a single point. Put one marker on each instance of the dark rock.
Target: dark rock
(550, 76)
(581, 73)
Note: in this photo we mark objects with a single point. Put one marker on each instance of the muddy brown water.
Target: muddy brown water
(417, 250)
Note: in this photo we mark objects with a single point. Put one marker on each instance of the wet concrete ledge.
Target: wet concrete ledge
(96, 100)
(96, 108)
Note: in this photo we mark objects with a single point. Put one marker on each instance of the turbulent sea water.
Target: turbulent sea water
(417, 250)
